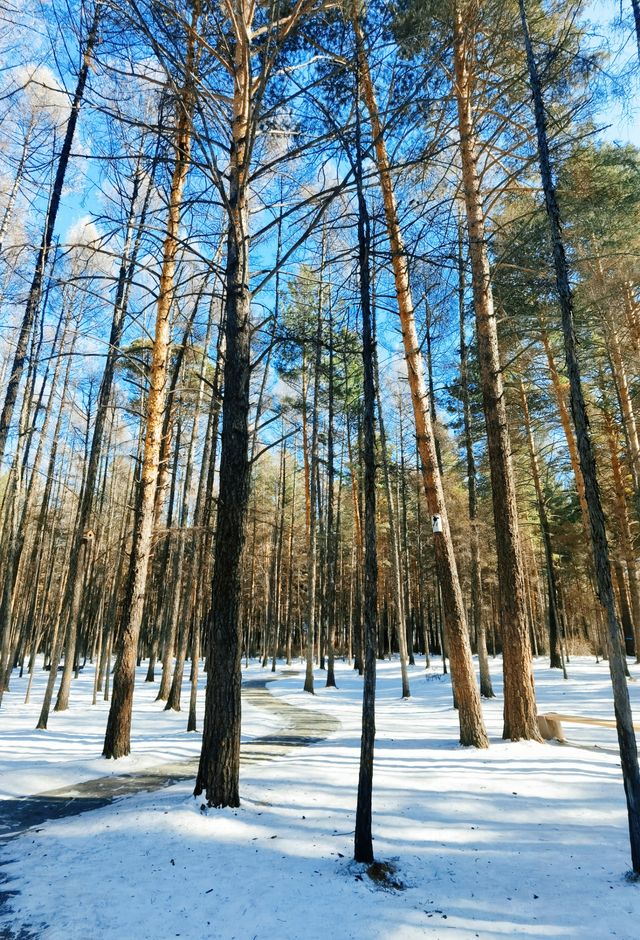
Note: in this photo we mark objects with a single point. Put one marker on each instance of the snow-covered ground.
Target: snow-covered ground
(521, 840)
(70, 750)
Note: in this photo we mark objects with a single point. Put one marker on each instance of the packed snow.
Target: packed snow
(70, 750)
(523, 839)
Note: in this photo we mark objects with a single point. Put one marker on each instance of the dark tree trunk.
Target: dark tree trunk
(219, 769)
(636, 20)
(479, 622)
(313, 491)
(555, 655)
(332, 535)
(35, 290)
(622, 705)
(363, 843)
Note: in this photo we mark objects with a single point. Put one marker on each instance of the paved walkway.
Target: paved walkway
(301, 727)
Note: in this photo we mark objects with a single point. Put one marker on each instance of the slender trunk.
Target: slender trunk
(313, 520)
(35, 289)
(355, 618)
(329, 604)
(472, 730)
(520, 719)
(80, 575)
(624, 525)
(277, 572)
(565, 421)
(396, 566)
(219, 768)
(59, 632)
(404, 532)
(117, 741)
(479, 622)
(626, 406)
(17, 505)
(363, 841)
(289, 617)
(305, 445)
(622, 705)
(555, 655)
(17, 180)
(169, 588)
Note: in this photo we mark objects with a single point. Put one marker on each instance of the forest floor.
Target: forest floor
(523, 839)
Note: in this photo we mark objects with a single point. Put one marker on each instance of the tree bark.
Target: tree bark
(624, 526)
(394, 549)
(35, 289)
(622, 705)
(363, 841)
(313, 518)
(472, 730)
(17, 180)
(479, 622)
(636, 22)
(219, 768)
(555, 656)
(520, 718)
(117, 741)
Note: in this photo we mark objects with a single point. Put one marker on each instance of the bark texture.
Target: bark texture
(520, 719)
(617, 663)
(363, 842)
(117, 742)
(472, 730)
(219, 768)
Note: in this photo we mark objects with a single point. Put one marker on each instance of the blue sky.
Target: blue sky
(620, 117)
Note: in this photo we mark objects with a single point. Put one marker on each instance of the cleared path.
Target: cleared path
(301, 727)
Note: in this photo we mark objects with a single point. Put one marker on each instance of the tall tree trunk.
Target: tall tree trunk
(329, 605)
(520, 719)
(552, 581)
(479, 622)
(313, 520)
(472, 730)
(35, 289)
(404, 534)
(363, 841)
(17, 180)
(290, 565)
(117, 741)
(219, 768)
(394, 549)
(355, 619)
(624, 526)
(622, 705)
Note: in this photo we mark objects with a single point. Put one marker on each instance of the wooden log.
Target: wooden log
(550, 724)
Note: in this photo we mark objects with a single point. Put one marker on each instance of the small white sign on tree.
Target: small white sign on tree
(436, 523)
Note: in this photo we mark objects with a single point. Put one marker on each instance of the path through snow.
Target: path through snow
(523, 840)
